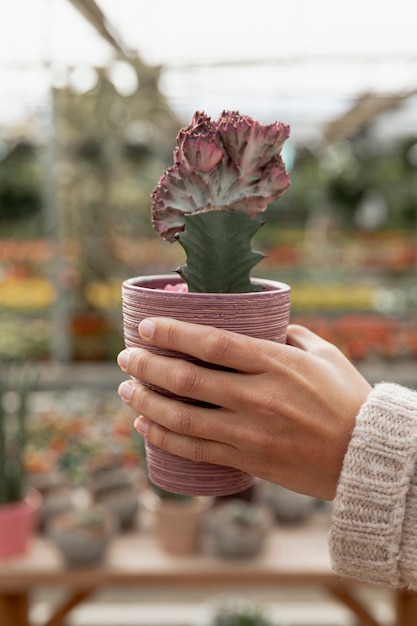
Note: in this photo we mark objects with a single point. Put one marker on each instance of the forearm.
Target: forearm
(374, 522)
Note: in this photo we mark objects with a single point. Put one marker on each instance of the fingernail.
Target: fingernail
(125, 390)
(123, 360)
(146, 329)
(141, 424)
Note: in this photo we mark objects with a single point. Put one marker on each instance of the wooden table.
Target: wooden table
(293, 556)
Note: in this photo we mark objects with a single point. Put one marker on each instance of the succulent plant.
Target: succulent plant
(83, 534)
(236, 612)
(91, 520)
(240, 513)
(13, 433)
(225, 174)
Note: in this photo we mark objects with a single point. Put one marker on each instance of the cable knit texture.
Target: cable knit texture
(373, 535)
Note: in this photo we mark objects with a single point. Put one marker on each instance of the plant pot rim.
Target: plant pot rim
(146, 282)
(155, 503)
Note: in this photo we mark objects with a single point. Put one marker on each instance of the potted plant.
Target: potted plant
(176, 519)
(83, 534)
(56, 496)
(288, 507)
(238, 529)
(234, 611)
(19, 504)
(225, 173)
(122, 501)
(112, 487)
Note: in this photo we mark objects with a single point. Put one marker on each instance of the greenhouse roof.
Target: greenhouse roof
(305, 62)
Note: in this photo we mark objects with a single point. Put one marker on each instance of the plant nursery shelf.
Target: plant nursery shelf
(293, 556)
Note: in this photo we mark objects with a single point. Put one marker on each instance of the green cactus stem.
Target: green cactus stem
(221, 169)
(3, 460)
(219, 254)
(13, 433)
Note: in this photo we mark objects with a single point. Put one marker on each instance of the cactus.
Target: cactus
(91, 520)
(236, 611)
(13, 433)
(240, 513)
(225, 173)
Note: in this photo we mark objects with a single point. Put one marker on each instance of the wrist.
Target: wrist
(370, 502)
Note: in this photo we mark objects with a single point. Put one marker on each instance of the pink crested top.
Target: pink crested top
(180, 287)
(233, 163)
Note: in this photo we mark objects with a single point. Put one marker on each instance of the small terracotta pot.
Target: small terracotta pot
(178, 523)
(17, 524)
(262, 314)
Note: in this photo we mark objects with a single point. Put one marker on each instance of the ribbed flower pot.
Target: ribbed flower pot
(263, 314)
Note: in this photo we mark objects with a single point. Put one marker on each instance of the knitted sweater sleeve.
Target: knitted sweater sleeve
(373, 534)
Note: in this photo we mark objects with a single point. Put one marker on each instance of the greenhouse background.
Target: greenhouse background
(92, 96)
(91, 104)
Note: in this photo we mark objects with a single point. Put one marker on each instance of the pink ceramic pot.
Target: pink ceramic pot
(17, 524)
(263, 314)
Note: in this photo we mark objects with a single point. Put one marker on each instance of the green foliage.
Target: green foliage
(20, 184)
(22, 337)
(91, 519)
(169, 495)
(241, 513)
(339, 178)
(13, 432)
(238, 612)
(219, 254)
(111, 150)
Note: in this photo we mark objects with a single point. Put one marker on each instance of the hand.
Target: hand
(286, 413)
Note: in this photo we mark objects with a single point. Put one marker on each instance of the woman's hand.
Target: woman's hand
(286, 413)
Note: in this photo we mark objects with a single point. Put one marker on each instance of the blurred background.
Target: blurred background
(92, 97)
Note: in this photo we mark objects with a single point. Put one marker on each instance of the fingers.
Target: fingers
(181, 378)
(206, 343)
(192, 448)
(176, 416)
(287, 411)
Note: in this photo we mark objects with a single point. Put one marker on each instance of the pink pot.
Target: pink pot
(17, 524)
(263, 314)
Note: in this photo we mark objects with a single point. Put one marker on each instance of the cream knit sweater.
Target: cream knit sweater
(373, 534)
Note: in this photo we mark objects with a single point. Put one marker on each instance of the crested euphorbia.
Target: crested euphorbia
(225, 173)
